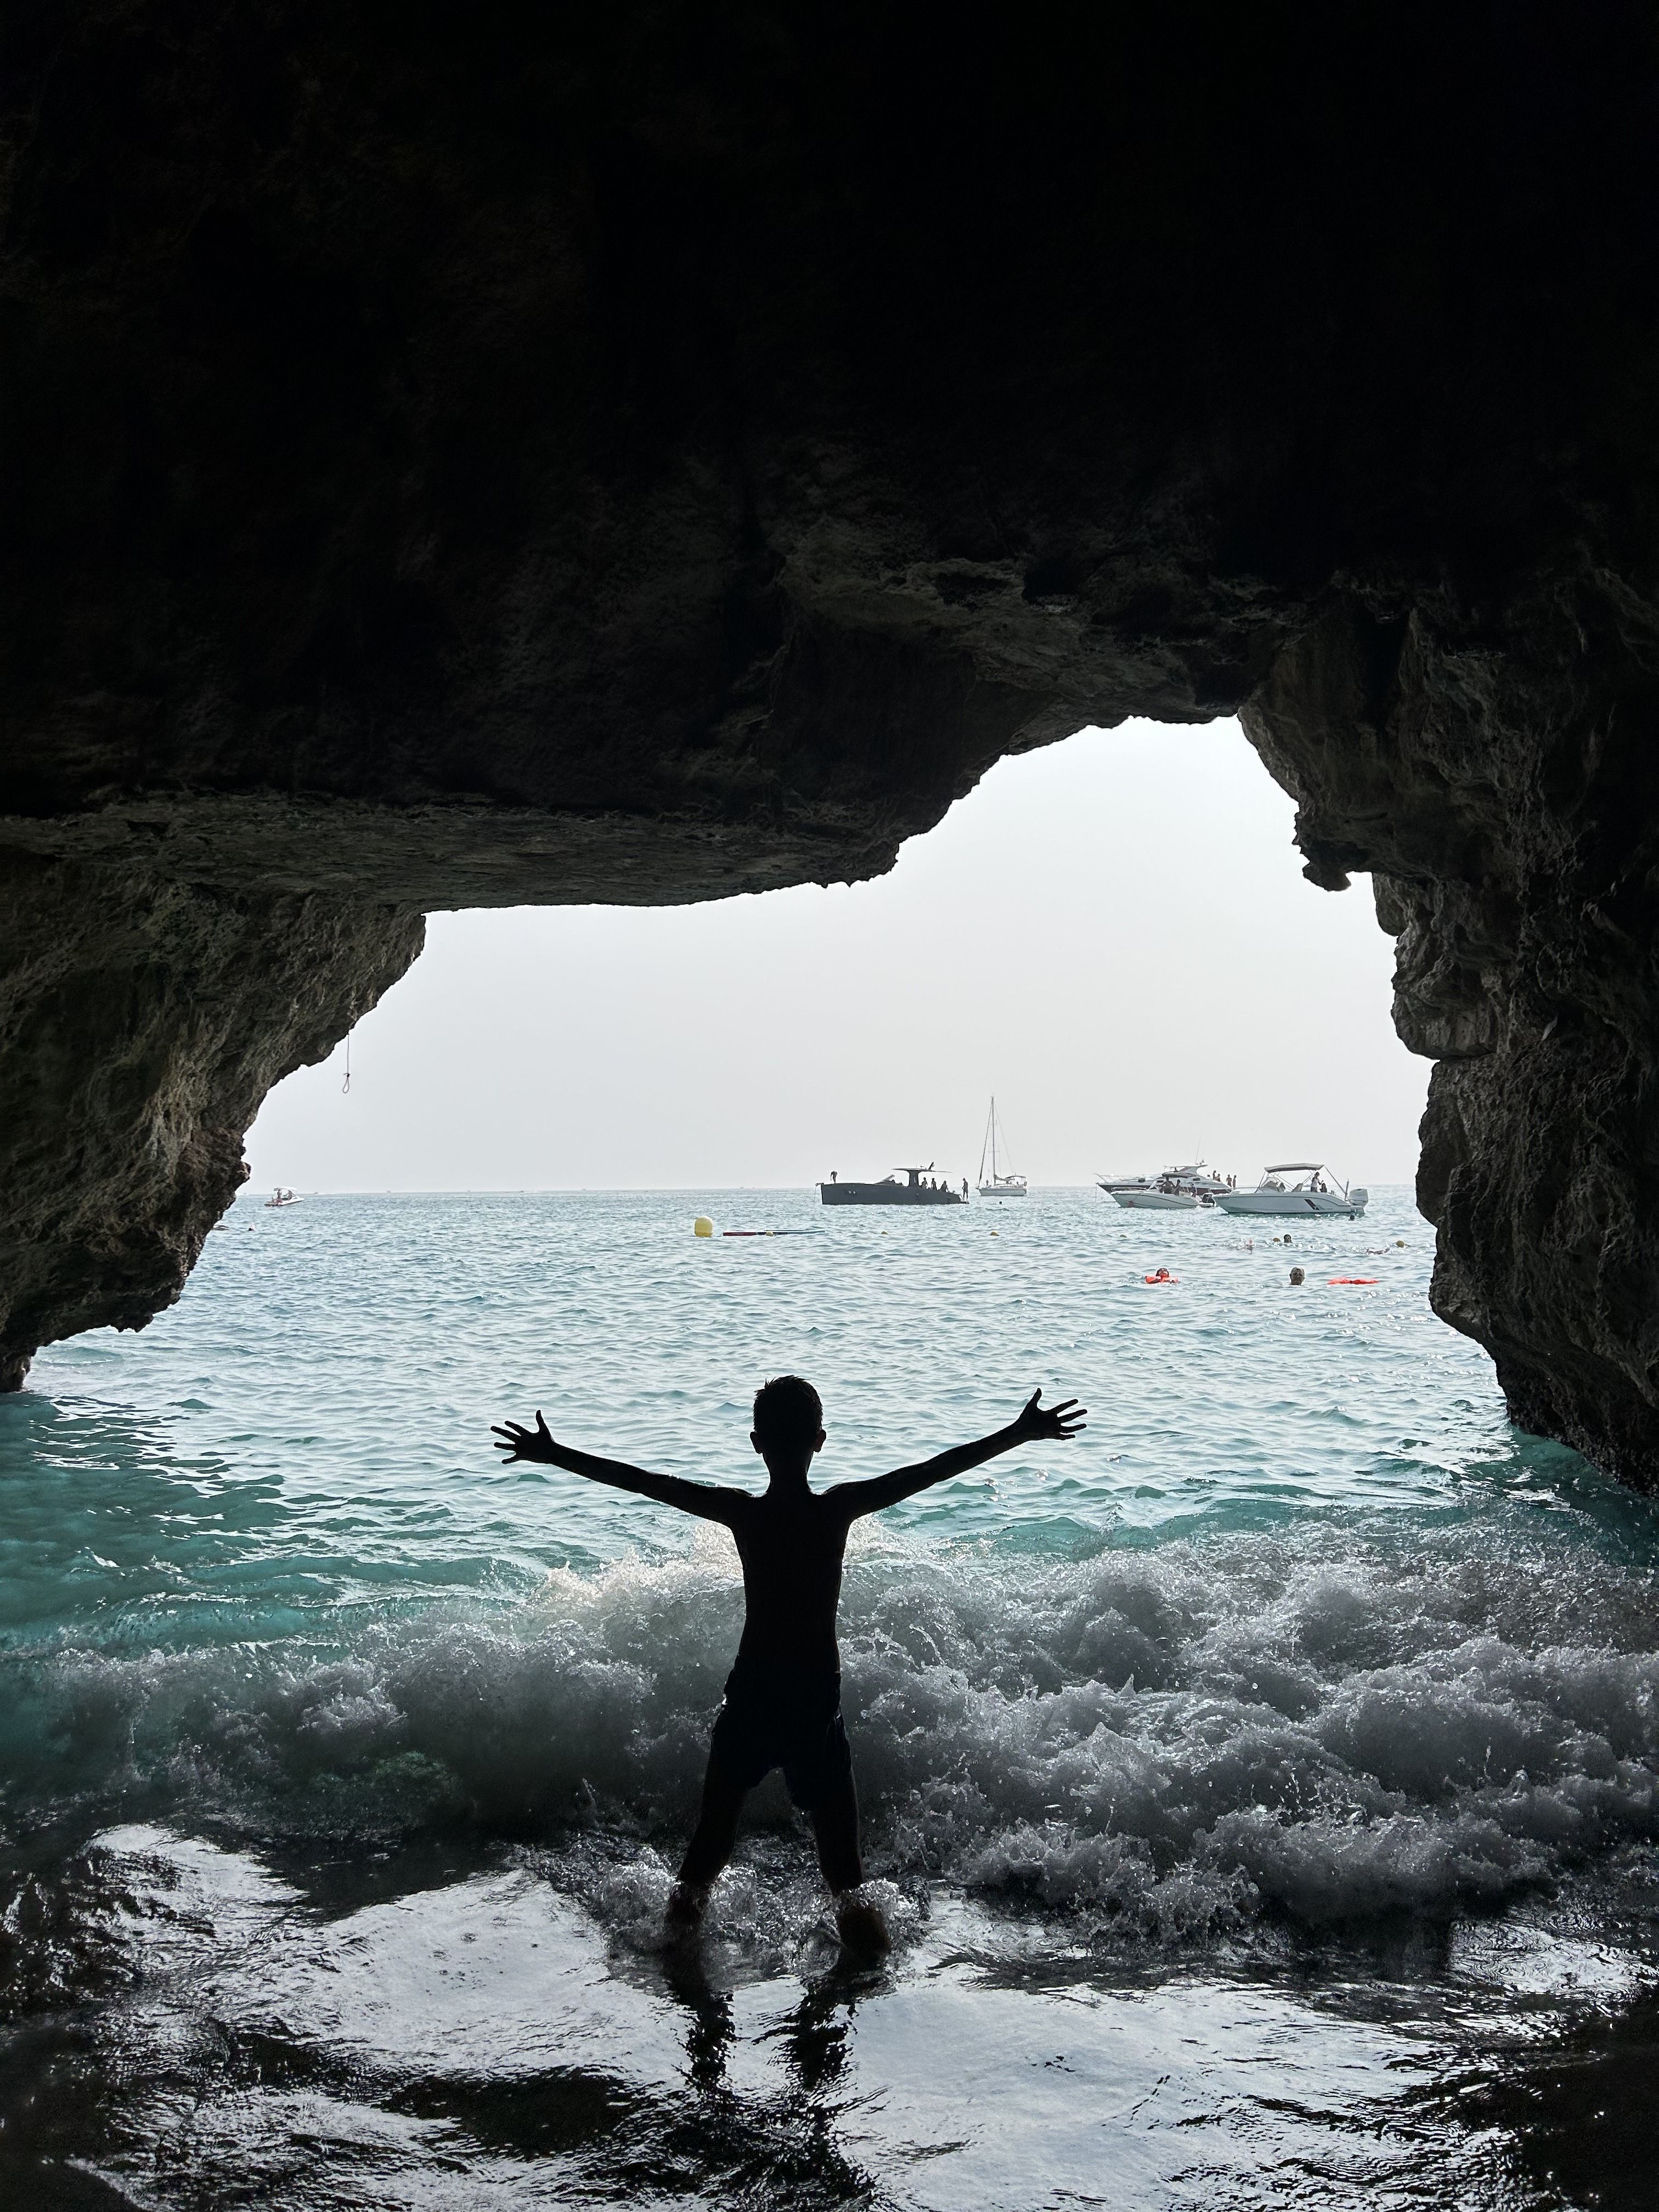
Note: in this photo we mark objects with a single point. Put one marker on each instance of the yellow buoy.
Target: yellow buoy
(702, 1226)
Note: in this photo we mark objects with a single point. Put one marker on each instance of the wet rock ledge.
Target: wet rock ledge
(481, 455)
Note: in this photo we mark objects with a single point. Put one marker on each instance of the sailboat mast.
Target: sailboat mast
(993, 1136)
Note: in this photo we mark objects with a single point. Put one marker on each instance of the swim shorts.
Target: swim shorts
(787, 1721)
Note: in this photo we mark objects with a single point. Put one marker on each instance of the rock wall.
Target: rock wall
(141, 1022)
(472, 456)
(1493, 765)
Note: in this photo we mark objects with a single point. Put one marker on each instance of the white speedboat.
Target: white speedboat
(1003, 1182)
(1319, 1193)
(281, 1197)
(1159, 1197)
(1182, 1189)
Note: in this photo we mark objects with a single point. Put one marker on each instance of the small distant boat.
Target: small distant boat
(281, 1197)
(1003, 1182)
(920, 1187)
(1313, 1195)
(1182, 1189)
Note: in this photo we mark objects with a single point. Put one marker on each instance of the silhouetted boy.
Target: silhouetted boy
(782, 1704)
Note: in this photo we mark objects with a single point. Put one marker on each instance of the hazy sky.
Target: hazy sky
(1113, 934)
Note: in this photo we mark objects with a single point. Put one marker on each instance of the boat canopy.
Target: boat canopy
(1296, 1167)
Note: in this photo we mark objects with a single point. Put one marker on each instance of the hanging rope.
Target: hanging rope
(346, 1085)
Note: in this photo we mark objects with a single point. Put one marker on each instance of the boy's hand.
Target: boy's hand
(520, 1443)
(1062, 1421)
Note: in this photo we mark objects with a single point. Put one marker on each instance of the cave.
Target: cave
(492, 457)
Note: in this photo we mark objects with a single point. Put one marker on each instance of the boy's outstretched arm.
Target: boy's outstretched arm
(702, 1498)
(1061, 1422)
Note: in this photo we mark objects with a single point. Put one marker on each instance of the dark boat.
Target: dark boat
(891, 1191)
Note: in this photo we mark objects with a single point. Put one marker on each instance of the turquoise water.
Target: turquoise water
(1301, 1714)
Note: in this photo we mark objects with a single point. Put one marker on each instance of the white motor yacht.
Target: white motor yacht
(1182, 1189)
(1319, 1193)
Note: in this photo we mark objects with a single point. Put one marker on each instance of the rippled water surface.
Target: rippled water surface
(1262, 1789)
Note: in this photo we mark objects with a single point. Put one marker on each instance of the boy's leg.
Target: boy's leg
(717, 1827)
(836, 1825)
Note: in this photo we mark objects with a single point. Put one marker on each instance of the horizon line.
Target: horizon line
(600, 1190)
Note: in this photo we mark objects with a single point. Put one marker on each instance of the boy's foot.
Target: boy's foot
(687, 1903)
(862, 1928)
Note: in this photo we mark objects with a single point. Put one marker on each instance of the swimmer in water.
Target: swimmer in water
(783, 1702)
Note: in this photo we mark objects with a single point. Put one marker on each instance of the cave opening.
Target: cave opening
(1112, 933)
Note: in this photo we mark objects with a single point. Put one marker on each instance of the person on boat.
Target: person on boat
(782, 1701)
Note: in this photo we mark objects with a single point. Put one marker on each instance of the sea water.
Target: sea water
(1260, 1790)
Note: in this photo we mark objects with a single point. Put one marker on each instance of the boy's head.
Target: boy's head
(788, 1419)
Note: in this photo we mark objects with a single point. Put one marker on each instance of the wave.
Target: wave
(1321, 1722)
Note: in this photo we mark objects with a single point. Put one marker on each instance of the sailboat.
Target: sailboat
(1003, 1182)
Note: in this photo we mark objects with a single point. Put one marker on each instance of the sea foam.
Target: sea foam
(1321, 1721)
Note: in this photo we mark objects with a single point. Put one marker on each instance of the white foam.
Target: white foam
(1166, 1742)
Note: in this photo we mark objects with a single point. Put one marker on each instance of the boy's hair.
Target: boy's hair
(787, 1412)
